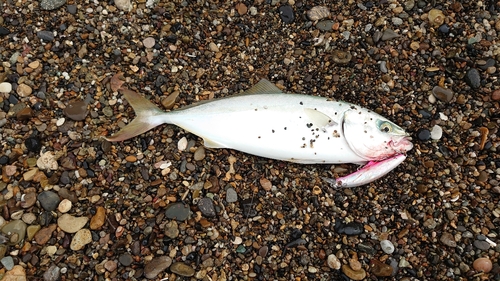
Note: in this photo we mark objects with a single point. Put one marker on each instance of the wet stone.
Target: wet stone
(182, 269)
(28, 200)
(81, 238)
(126, 259)
(51, 4)
(178, 211)
(71, 224)
(483, 265)
(76, 110)
(52, 273)
(98, 219)
(353, 274)
(156, 266)
(49, 200)
(206, 206)
(33, 144)
(172, 229)
(473, 78)
(231, 195)
(389, 34)
(45, 35)
(442, 94)
(481, 245)
(423, 134)
(7, 262)
(325, 25)
(286, 14)
(380, 269)
(44, 234)
(15, 231)
(448, 239)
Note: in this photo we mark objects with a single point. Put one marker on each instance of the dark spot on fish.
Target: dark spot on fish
(300, 116)
(335, 113)
(303, 146)
(315, 153)
(311, 143)
(371, 119)
(285, 128)
(317, 129)
(301, 103)
(273, 131)
(366, 132)
(259, 137)
(328, 138)
(303, 138)
(309, 125)
(386, 147)
(256, 109)
(353, 107)
(360, 113)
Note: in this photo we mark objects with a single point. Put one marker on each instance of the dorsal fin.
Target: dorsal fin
(263, 87)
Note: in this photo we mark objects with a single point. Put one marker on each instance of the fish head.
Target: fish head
(372, 136)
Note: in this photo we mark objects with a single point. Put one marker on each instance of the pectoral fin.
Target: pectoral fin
(318, 118)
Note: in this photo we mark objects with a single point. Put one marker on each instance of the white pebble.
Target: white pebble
(60, 121)
(387, 246)
(5, 87)
(436, 132)
(182, 144)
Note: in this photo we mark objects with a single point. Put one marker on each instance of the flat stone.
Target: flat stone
(333, 262)
(206, 206)
(442, 94)
(199, 153)
(172, 229)
(473, 78)
(81, 238)
(15, 230)
(5, 87)
(318, 12)
(286, 14)
(124, 5)
(231, 195)
(7, 262)
(28, 200)
(126, 259)
(448, 239)
(387, 246)
(178, 211)
(76, 110)
(45, 35)
(17, 273)
(31, 231)
(52, 273)
(98, 219)
(389, 34)
(49, 200)
(156, 266)
(51, 4)
(44, 234)
(353, 274)
(380, 269)
(71, 224)
(182, 269)
(64, 206)
(149, 42)
(24, 90)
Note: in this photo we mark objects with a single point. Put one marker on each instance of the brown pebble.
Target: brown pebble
(241, 8)
(484, 137)
(266, 184)
(380, 269)
(353, 274)
(24, 114)
(131, 158)
(98, 219)
(44, 234)
(169, 101)
(495, 95)
(483, 265)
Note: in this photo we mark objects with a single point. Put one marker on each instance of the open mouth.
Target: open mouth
(402, 145)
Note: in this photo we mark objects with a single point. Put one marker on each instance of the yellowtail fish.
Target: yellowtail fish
(266, 122)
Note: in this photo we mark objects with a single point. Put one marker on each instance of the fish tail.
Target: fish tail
(148, 117)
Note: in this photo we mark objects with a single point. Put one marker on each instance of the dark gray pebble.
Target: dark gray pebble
(389, 34)
(352, 228)
(52, 274)
(367, 249)
(472, 78)
(178, 211)
(325, 25)
(45, 35)
(71, 9)
(481, 245)
(206, 206)
(49, 200)
(4, 31)
(286, 14)
(126, 259)
(423, 134)
(231, 195)
(489, 63)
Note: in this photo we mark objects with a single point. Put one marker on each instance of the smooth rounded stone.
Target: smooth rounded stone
(64, 206)
(49, 200)
(481, 245)
(408, 5)
(444, 29)
(178, 211)
(199, 153)
(484, 65)
(473, 78)
(423, 134)
(231, 195)
(182, 269)
(110, 266)
(29, 218)
(17, 273)
(325, 25)
(353, 274)
(98, 219)
(51, 4)
(43, 235)
(241, 8)
(213, 47)
(5, 87)
(33, 144)
(76, 110)
(7, 262)
(387, 246)
(24, 90)
(81, 238)
(442, 94)
(71, 8)
(341, 57)
(448, 240)
(15, 230)
(436, 132)
(169, 101)
(436, 17)
(4, 31)
(45, 35)
(124, 5)
(397, 21)
(380, 269)
(286, 14)
(334, 262)
(126, 259)
(28, 200)
(206, 206)
(318, 12)
(31, 231)
(66, 194)
(71, 224)
(352, 228)
(149, 42)
(389, 34)
(172, 229)
(52, 273)
(157, 266)
(483, 265)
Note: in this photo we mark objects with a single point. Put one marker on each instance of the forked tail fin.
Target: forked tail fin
(148, 117)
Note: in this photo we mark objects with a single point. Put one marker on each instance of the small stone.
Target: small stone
(266, 184)
(380, 269)
(110, 265)
(387, 246)
(76, 110)
(436, 132)
(28, 200)
(448, 239)
(206, 206)
(473, 78)
(325, 25)
(483, 265)
(199, 153)
(5, 87)
(98, 219)
(51, 4)
(481, 245)
(241, 8)
(423, 134)
(178, 211)
(47, 161)
(52, 273)
(24, 114)
(44, 234)
(124, 5)
(353, 274)
(4, 31)
(182, 144)
(24, 90)
(442, 94)
(126, 259)
(81, 238)
(49, 200)
(213, 47)
(7, 262)
(341, 57)
(286, 14)
(182, 269)
(156, 266)
(169, 101)
(71, 224)
(31, 231)
(64, 206)
(333, 262)
(33, 144)
(131, 158)
(149, 42)
(318, 13)
(17, 273)
(436, 17)
(16, 230)
(45, 35)
(495, 95)
(172, 229)
(72, 8)
(389, 34)
(231, 195)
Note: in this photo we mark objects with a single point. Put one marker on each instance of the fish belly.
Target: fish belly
(296, 128)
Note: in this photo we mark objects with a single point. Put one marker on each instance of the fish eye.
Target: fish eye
(385, 127)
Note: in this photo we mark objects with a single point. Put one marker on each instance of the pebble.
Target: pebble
(72, 8)
(481, 245)
(387, 246)
(178, 211)
(442, 94)
(17, 273)
(98, 219)
(423, 134)
(49, 200)
(71, 224)
(5, 87)
(318, 13)
(51, 4)
(28, 200)
(45, 35)
(436, 17)
(213, 47)
(15, 230)
(7, 262)
(436, 132)
(266, 184)
(81, 238)
(149, 42)
(286, 14)
(352, 228)
(353, 274)
(381, 269)
(24, 90)
(206, 206)
(495, 95)
(43, 235)
(325, 25)
(341, 57)
(448, 239)
(124, 5)
(389, 34)
(47, 161)
(182, 144)
(482, 265)
(76, 110)
(199, 153)
(156, 266)
(241, 8)
(33, 144)
(172, 229)
(473, 78)
(110, 265)
(333, 262)
(169, 101)
(64, 206)
(126, 259)
(4, 31)
(52, 273)
(231, 195)
(182, 269)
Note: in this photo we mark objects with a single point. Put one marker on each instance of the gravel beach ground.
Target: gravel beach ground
(163, 207)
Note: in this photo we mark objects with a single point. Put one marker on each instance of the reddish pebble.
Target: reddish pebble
(495, 95)
(483, 265)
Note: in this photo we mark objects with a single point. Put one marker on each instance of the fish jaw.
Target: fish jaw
(402, 145)
(368, 173)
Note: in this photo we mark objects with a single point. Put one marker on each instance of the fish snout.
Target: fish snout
(402, 145)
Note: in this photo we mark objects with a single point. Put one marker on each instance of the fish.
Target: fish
(267, 122)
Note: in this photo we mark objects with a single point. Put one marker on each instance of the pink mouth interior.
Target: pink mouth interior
(403, 145)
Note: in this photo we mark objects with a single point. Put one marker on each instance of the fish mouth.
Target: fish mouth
(401, 145)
